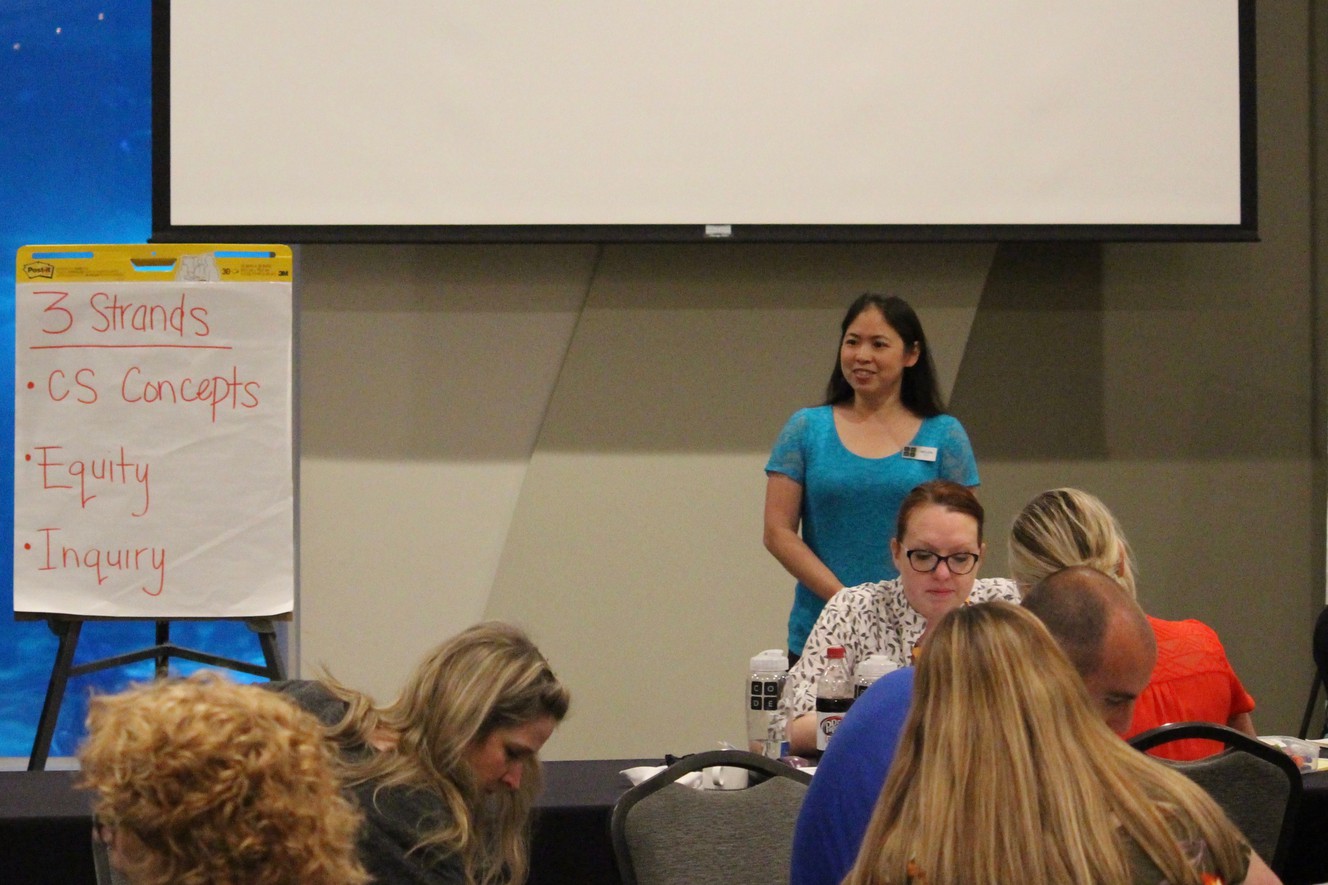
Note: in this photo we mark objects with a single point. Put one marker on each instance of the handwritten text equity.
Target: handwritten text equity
(87, 474)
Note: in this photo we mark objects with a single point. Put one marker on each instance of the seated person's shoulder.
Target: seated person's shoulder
(1187, 632)
(313, 696)
(861, 599)
(864, 593)
(988, 589)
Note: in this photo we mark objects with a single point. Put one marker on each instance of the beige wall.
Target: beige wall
(572, 437)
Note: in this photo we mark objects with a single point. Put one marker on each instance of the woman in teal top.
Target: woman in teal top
(839, 471)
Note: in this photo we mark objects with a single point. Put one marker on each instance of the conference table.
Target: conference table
(570, 842)
(45, 827)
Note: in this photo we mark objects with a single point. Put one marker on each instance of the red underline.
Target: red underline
(131, 346)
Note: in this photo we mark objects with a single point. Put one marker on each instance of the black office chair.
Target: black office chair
(1258, 786)
(1320, 677)
(668, 834)
(101, 863)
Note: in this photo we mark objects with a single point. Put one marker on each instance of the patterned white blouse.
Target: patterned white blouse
(866, 620)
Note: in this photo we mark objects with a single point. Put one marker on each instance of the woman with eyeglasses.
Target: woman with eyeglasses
(838, 471)
(937, 549)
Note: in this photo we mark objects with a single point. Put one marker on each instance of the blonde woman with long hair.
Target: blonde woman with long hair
(1005, 773)
(1193, 680)
(204, 782)
(447, 774)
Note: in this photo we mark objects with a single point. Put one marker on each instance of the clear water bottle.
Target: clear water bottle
(834, 695)
(765, 686)
(870, 669)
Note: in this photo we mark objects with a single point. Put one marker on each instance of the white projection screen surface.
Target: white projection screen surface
(444, 120)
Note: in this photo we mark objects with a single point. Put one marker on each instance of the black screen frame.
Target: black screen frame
(164, 231)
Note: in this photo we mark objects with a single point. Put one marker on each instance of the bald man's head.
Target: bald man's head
(1103, 632)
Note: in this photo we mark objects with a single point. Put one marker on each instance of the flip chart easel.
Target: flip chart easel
(68, 630)
(154, 469)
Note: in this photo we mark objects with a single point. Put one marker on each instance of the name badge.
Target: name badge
(920, 453)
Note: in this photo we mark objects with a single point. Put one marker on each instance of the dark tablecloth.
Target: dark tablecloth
(1307, 861)
(46, 825)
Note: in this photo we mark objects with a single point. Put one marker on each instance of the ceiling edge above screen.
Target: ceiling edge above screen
(201, 195)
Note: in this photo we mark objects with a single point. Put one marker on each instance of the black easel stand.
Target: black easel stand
(68, 629)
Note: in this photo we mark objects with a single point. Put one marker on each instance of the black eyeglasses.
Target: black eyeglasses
(927, 561)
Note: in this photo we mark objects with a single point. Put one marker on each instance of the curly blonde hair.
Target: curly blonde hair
(214, 782)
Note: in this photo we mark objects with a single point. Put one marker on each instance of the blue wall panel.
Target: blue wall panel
(75, 150)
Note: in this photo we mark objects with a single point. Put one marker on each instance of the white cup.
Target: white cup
(725, 777)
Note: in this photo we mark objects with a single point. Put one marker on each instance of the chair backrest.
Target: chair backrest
(1320, 648)
(665, 833)
(1258, 786)
(101, 863)
(1320, 644)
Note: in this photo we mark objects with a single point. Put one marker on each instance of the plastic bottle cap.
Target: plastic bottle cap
(875, 666)
(772, 660)
(834, 651)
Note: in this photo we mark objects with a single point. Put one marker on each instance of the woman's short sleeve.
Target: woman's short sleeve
(788, 456)
(957, 463)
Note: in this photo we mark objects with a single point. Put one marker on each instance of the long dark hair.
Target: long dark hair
(918, 390)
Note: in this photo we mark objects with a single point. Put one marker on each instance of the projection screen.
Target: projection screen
(513, 120)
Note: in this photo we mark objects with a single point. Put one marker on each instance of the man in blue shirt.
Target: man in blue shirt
(1104, 633)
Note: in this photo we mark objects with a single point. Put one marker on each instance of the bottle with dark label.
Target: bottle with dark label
(834, 695)
(870, 669)
(765, 686)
